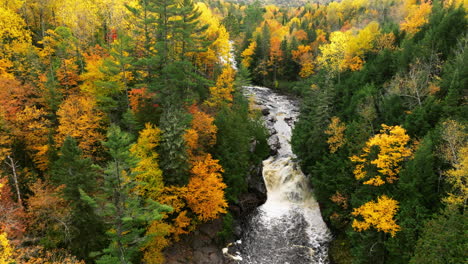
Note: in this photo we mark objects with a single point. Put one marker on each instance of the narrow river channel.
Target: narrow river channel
(289, 227)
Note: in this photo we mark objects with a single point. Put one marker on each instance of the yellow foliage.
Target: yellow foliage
(417, 17)
(346, 50)
(222, 92)
(93, 73)
(6, 251)
(159, 232)
(454, 137)
(205, 194)
(392, 149)
(333, 54)
(5, 142)
(219, 49)
(458, 178)
(31, 126)
(247, 54)
(12, 31)
(177, 220)
(386, 41)
(307, 69)
(81, 16)
(14, 37)
(148, 173)
(336, 132)
(379, 215)
(79, 118)
(456, 3)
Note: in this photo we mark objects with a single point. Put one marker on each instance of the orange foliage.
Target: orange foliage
(340, 200)
(14, 96)
(202, 133)
(275, 49)
(12, 215)
(47, 210)
(300, 35)
(205, 194)
(40, 255)
(140, 98)
(303, 55)
(67, 74)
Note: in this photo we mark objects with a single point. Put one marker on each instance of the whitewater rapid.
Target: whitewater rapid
(289, 227)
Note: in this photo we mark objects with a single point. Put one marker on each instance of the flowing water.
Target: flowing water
(288, 228)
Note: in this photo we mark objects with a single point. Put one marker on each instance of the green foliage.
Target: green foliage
(237, 134)
(173, 150)
(443, 240)
(124, 212)
(79, 174)
(419, 198)
(227, 233)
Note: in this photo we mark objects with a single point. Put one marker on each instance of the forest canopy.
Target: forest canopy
(123, 126)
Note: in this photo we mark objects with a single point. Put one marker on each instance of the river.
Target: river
(289, 227)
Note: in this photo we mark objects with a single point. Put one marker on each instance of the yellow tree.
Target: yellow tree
(79, 118)
(172, 225)
(219, 50)
(148, 173)
(223, 91)
(6, 251)
(333, 54)
(94, 62)
(247, 54)
(455, 150)
(5, 141)
(346, 50)
(384, 151)
(379, 215)
(417, 17)
(80, 16)
(359, 44)
(32, 127)
(458, 178)
(15, 38)
(335, 130)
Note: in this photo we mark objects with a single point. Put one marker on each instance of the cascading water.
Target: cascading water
(288, 228)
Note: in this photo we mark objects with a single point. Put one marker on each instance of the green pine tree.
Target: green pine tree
(124, 211)
(78, 173)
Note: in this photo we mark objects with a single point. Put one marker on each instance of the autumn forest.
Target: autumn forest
(124, 126)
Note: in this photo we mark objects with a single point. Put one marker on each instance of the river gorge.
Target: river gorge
(288, 227)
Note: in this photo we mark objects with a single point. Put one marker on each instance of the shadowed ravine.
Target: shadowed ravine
(288, 228)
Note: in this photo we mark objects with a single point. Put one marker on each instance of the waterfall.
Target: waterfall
(289, 227)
